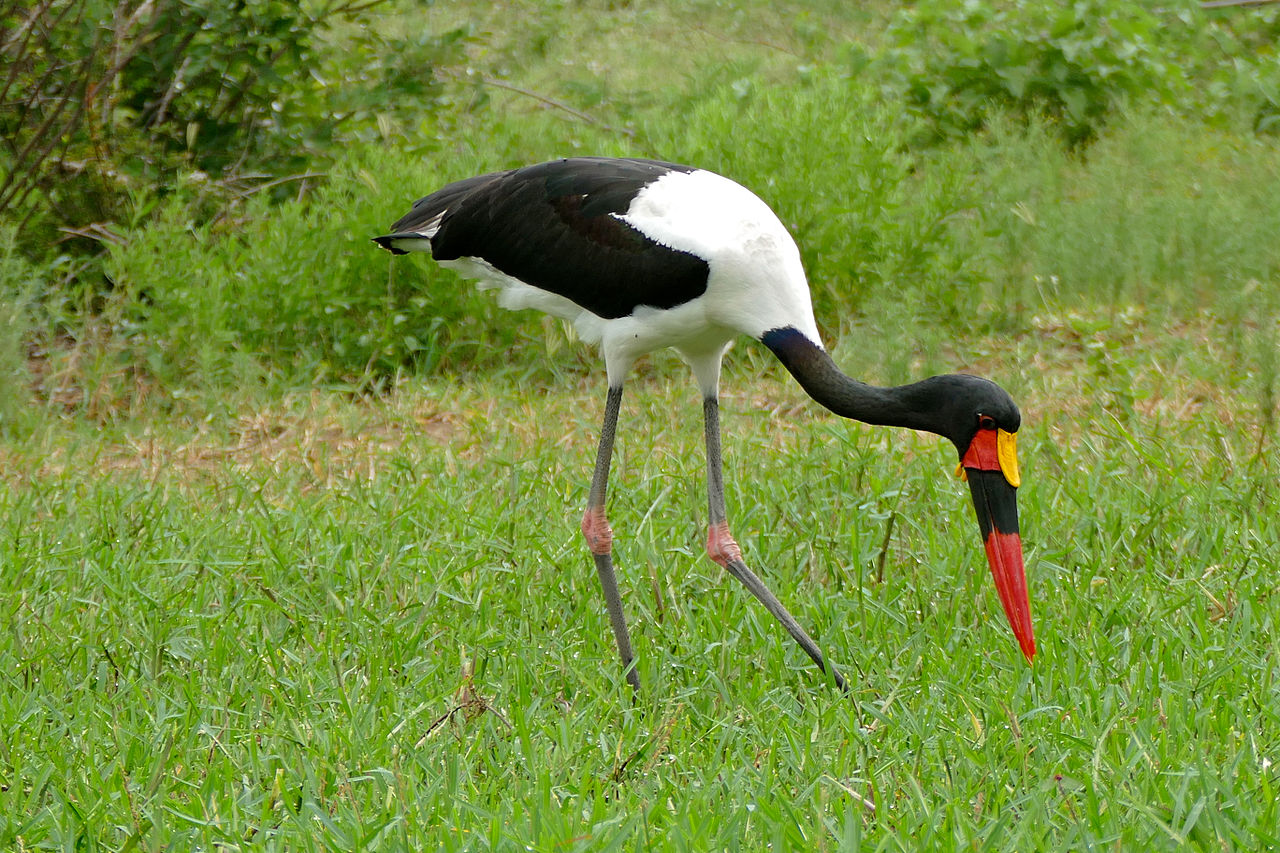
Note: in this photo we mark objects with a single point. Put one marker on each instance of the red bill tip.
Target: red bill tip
(1004, 553)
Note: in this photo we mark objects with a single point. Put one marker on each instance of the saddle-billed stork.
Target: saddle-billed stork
(640, 255)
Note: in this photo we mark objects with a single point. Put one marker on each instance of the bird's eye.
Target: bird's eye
(986, 422)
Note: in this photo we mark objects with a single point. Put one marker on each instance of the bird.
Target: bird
(641, 255)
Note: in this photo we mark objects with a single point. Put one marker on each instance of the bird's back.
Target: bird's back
(613, 235)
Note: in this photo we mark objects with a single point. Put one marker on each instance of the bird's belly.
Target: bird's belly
(643, 330)
(516, 295)
(647, 329)
(685, 327)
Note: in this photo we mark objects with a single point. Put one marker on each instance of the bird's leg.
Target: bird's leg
(595, 528)
(722, 548)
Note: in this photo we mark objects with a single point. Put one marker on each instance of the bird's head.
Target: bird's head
(982, 422)
(979, 418)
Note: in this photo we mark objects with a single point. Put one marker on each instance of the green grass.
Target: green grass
(335, 625)
(289, 529)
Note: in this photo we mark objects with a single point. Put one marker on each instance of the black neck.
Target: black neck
(914, 406)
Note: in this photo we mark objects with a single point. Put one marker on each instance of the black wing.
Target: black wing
(552, 226)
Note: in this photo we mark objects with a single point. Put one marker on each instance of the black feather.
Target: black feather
(553, 226)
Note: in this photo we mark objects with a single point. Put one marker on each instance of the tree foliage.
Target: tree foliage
(1076, 63)
(104, 102)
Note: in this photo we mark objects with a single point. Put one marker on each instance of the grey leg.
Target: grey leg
(722, 548)
(595, 528)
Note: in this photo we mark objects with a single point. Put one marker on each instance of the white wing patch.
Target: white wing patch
(429, 230)
(419, 240)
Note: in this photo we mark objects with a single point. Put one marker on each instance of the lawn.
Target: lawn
(354, 625)
(289, 528)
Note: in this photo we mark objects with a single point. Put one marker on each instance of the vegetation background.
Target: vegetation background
(288, 529)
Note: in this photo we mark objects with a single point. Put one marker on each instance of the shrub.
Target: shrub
(106, 105)
(1070, 62)
(17, 293)
(297, 289)
(1240, 67)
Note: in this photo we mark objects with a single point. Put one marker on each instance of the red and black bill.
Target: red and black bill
(991, 467)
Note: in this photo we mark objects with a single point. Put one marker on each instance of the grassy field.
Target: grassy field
(289, 532)
(357, 626)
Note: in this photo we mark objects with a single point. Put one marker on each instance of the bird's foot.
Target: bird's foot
(721, 545)
(724, 550)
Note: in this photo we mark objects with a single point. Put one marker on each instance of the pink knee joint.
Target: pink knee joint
(721, 546)
(596, 530)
